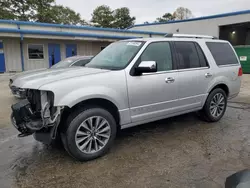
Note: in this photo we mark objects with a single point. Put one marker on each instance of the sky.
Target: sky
(149, 10)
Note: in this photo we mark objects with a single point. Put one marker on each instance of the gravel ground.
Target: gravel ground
(177, 152)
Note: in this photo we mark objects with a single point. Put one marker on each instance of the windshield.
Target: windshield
(116, 56)
(62, 64)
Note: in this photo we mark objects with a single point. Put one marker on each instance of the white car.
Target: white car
(68, 62)
(129, 83)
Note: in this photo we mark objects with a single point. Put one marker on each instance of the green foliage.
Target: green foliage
(122, 18)
(181, 13)
(43, 10)
(166, 17)
(47, 11)
(102, 16)
(39, 11)
(65, 15)
(5, 12)
(16, 9)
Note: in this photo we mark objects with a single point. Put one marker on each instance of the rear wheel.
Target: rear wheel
(215, 105)
(90, 133)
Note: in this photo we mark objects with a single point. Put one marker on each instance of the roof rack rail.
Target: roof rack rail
(190, 36)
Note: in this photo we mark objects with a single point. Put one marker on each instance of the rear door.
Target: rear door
(194, 74)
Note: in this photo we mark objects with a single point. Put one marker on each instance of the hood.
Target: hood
(36, 79)
(25, 73)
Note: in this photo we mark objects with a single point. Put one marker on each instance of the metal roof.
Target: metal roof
(78, 27)
(60, 33)
(196, 19)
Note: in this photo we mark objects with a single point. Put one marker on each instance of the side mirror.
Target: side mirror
(146, 67)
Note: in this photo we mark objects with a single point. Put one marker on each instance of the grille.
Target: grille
(34, 98)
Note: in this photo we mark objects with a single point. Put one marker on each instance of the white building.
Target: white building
(29, 45)
(234, 27)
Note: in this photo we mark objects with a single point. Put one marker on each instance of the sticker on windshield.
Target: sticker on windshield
(134, 43)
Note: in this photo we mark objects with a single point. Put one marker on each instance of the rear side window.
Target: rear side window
(187, 55)
(203, 60)
(223, 53)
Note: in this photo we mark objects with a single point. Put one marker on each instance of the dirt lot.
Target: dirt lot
(177, 152)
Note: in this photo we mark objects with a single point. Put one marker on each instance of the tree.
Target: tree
(102, 16)
(43, 10)
(39, 11)
(65, 15)
(5, 12)
(122, 18)
(16, 9)
(166, 17)
(22, 9)
(182, 13)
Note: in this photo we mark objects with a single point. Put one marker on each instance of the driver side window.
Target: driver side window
(160, 52)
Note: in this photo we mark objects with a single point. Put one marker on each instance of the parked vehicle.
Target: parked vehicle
(68, 62)
(130, 82)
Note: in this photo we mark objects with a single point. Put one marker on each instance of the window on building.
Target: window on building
(187, 55)
(35, 51)
(159, 52)
(223, 53)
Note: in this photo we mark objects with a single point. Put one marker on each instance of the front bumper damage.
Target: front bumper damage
(37, 115)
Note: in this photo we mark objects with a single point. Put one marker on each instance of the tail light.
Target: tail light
(240, 72)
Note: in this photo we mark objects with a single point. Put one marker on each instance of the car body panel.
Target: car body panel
(149, 95)
(97, 85)
(29, 74)
(139, 99)
(36, 80)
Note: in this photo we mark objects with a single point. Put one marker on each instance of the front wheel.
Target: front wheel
(215, 105)
(90, 133)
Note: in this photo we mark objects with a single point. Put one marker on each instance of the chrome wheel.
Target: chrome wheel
(217, 105)
(93, 134)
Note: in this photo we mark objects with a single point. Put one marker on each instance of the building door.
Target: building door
(2, 61)
(54, 54)
(71, 50)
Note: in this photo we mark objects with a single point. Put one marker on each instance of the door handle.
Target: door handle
(169, 80)
(208, 75)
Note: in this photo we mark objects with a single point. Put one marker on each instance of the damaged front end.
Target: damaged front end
(36, 114)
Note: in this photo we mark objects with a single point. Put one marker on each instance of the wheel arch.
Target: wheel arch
(94, 102)
(222, 86)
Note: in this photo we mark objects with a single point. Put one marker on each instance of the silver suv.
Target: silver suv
(130, 82)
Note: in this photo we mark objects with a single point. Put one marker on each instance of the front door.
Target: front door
(153, 95)
(71, 50)
(2, 60)
(54, 54)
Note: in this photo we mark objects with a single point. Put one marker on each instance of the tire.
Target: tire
(208, 113)
(84, 143)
